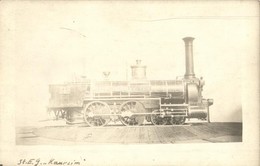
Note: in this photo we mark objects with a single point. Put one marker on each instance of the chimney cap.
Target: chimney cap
(188, 39)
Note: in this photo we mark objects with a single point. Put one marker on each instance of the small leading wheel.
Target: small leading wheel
(178, 120)
(96, 113)
(156, 119)
(128, 110)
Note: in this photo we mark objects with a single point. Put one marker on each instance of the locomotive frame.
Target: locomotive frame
(161, 102)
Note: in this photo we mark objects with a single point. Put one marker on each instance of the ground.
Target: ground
(118, 134)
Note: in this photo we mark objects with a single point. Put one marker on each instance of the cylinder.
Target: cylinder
(189, 57)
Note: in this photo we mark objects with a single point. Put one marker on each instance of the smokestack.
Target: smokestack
(189, 57)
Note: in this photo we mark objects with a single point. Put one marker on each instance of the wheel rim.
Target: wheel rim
(128, 109)
(178, 120)
(94, 114)
(157, 120)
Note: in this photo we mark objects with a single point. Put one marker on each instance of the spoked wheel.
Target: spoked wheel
(128, 110)
(94, 113)
(178, 120)
(157, 120)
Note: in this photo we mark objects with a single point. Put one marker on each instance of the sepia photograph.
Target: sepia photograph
(129, 82)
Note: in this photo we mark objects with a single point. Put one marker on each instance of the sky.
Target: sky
(53, 42)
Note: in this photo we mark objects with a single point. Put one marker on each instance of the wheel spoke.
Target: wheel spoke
(132, 105)
(91, 108)
(128, 106)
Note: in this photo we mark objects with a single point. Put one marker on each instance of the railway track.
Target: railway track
(146, 134)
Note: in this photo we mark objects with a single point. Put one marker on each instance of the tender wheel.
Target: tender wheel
(94, 113)
(55, 114)
(52, 114)
(157, 120)
(72, 116)
(178, 120)
(68, 117)
(128, 110)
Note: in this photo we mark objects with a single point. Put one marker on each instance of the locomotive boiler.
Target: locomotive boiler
(160, 102)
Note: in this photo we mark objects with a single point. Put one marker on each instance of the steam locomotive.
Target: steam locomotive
(160, 102)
